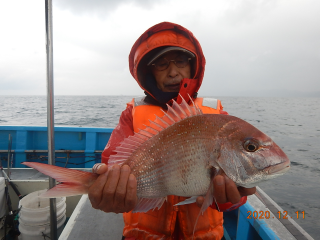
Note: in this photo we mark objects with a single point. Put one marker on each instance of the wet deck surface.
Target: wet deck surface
(89, 223)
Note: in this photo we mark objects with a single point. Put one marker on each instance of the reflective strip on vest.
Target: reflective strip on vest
(210, 102)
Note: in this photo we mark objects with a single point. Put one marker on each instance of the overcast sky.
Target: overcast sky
(252, 47)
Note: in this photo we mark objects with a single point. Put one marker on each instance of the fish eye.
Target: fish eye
(251, 145)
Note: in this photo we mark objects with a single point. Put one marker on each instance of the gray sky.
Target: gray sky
(252, 47)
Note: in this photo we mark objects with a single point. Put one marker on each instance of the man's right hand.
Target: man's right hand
(115, 190)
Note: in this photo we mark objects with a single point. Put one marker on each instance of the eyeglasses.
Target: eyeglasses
(162, 64)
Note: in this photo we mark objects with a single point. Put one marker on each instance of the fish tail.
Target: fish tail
(72, 182)
(65, 190)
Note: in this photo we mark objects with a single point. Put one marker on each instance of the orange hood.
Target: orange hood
(160, 35)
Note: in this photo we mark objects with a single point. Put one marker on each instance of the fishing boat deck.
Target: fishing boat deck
(86, 222)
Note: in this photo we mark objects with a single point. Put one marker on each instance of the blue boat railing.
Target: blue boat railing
(76, 147)
(251, 228)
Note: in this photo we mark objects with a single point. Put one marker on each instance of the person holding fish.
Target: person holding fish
(175, 162)
(168, 63)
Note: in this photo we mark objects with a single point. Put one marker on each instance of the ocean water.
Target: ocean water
(293, 123)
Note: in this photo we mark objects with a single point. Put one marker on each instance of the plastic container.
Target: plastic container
(2, 197)
(34, 216)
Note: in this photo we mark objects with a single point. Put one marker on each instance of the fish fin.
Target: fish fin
(151, 130)
(73, 182)
(128, 146)
(161, 122)
(186, 108)
(209, 198)
(65, 190)
(62, 174)
(156, 126)
(195, 108)
(188, 201)
(145, 204)
(174, 114)
(180, 111)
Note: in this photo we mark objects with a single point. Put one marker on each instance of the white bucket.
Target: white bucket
(34, 216)
(2, 197)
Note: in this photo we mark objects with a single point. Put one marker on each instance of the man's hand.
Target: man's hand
(115, 190)
(225, 190)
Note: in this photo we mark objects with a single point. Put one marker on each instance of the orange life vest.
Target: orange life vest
(160, 224)
(143, 112)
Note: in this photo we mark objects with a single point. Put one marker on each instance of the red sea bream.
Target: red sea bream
(180, 153)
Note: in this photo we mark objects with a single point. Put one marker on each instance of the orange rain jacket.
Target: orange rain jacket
(162, 224)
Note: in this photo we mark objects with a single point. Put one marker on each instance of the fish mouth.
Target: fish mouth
(278, 168)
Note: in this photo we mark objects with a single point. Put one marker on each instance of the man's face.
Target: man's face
(168, 80)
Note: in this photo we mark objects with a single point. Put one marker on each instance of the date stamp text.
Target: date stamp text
(267, 215)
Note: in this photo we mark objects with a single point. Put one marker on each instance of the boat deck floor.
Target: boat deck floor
(89, 223)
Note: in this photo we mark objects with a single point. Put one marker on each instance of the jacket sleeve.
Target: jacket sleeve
(123, 130)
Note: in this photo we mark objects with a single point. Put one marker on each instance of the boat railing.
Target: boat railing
(78, 146)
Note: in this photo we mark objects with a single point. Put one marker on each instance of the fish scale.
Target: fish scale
(175, 174)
